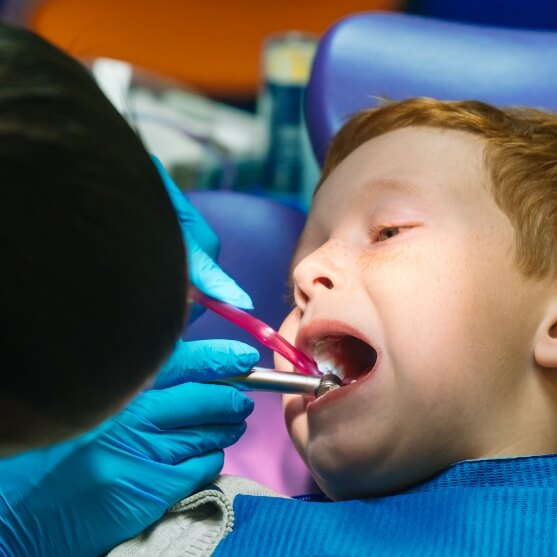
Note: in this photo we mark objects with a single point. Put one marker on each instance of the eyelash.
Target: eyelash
(376, 231)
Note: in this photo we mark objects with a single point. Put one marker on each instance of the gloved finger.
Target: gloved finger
(190, 476)
(203, 360)
(176, 445)
(203, 247)
(192, 404)
(188, 216)
(208, 277)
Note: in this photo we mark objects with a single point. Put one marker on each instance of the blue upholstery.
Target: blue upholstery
(373, 55)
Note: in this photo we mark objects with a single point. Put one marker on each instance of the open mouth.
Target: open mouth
(345, 355)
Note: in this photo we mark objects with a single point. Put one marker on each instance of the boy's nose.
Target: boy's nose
(318, 271)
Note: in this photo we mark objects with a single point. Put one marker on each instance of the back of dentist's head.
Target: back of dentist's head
(92, 295)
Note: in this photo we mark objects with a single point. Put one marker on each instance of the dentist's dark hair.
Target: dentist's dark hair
(92, 295)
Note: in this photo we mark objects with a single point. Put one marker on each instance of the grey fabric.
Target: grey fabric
(195, 525)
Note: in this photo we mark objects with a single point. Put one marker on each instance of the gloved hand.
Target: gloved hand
(195, 361)
(163, 447)
(203, 247)
(84, 496)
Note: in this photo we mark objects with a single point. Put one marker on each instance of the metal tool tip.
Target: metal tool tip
(329, 382)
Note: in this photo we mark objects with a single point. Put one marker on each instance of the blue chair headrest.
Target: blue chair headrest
(396, 56)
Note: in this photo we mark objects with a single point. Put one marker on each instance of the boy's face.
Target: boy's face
(406, 250)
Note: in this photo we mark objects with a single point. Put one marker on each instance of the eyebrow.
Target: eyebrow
(386, 185)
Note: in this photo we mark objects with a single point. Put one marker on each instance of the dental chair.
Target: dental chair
(258, 237)
(379, 55)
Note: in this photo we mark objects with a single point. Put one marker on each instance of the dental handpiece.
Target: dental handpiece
(274, 381)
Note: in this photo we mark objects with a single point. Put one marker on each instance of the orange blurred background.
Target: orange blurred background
(212, 45)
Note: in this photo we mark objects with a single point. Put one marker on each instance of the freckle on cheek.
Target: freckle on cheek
(367, 260)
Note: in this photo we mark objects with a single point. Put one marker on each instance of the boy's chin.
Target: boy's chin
(344, 470)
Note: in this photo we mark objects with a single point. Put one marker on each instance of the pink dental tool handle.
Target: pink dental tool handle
(261, 331)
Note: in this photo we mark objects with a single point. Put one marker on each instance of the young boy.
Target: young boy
(426, 275)
(431, 240)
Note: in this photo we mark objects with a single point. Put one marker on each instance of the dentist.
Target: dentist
(103, 425)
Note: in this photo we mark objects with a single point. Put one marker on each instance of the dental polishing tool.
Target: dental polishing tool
(274, 381)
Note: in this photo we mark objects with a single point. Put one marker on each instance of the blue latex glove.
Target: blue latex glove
(163, 447)
(202, 247)
(195, 361)
(200, 360)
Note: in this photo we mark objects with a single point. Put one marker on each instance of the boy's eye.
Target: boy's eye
(386, 233)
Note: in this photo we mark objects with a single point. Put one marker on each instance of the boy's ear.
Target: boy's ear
(545, 350)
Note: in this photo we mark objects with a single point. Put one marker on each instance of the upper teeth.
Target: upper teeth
(325, 352)
(326, 366)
